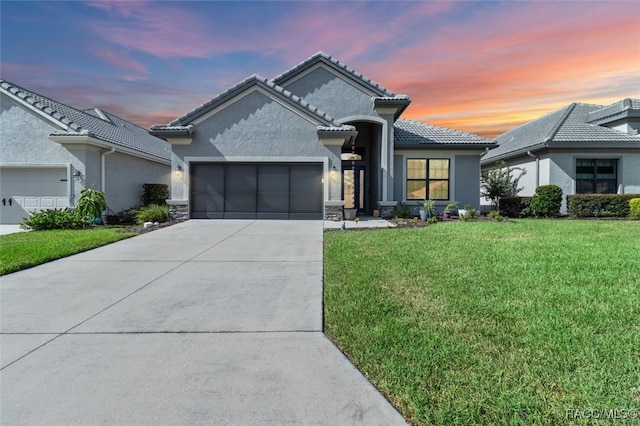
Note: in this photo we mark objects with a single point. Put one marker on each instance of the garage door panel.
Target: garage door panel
(26, 189)
(240, 202)
(258, 190)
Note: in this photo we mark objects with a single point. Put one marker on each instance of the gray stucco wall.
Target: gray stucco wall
(258, 126)
(24, 138)
(464, 175)
(24, 141)
(562, 169)
(332, 94)
(467, 180)
(124, 176)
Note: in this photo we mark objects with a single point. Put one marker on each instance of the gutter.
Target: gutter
(530, 154)
(102, 171)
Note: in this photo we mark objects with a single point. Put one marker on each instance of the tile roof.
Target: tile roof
(414, 133)
(99, 124)
(320, 116)
(338, 66)
(617, 110)
(566, 125)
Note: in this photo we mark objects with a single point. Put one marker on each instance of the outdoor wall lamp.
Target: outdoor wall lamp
(77, 175)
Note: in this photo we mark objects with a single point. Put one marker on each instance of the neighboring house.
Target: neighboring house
(49, 152)
(582, 148)
(314, 140)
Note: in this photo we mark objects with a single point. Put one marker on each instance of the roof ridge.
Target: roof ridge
(243, 85)
(31, 98)
(556, 127)
(319, 56)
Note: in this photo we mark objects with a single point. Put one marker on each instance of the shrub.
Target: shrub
(91, 204)
(432, 220)
(52, 219)
(494, 214)
(546, 201)
(599, 205)
(154, 193)
(634, 208)
(153, 213)
(402, 213)
(515, 206)
(129, 216)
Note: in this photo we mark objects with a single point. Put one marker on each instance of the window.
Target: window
(427, 178)
(596, 176)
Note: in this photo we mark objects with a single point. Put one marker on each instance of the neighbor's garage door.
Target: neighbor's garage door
(256, 191)
(31, 188)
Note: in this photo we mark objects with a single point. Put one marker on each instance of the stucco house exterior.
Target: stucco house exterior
(582, 148)
(313, 141)
(50, 151)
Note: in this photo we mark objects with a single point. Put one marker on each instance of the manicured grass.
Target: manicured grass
(489, 322)
(26, 249)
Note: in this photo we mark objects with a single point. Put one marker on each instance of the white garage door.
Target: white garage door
(31, 188)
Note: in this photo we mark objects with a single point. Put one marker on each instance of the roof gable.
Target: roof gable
(271, 89)
(99, 125)
(326, 60)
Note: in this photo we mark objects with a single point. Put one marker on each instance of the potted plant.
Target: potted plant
(465, 210)
(449, 209)
(427, 209)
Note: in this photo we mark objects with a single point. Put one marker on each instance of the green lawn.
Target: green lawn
(491, 322)
(26, 249)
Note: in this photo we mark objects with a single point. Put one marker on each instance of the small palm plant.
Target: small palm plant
(91, 204)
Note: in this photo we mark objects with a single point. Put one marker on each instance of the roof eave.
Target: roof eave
(92, 140)
(445, 145)
(515, 153)
(399, 103)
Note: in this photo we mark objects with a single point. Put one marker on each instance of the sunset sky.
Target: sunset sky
(477, 66)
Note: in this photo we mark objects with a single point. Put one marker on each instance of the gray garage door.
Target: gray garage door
(256, 191)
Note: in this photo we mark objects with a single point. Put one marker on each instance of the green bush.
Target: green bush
(599, 205)
(52, 219)
(402, 213)
(153, 213)
(546, 201)
(515, 206)
(634, 208)
(129, 216)
(154, 193)
(495, 215)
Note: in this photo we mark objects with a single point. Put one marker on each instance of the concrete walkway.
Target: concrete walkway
(204, 322)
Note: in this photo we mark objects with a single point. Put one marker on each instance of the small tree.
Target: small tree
(91, 204)
(500, 181)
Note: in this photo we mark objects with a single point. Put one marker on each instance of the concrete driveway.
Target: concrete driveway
(204, 322)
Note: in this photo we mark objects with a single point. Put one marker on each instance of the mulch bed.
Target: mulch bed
(140, 229)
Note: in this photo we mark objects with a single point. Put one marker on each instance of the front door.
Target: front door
(353, 187)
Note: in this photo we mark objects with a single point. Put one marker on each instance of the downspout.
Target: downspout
(537, 167)
(103, 180)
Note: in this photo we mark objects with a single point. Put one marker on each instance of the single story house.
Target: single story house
(313, 141)
(50, 151)
(582, 148)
